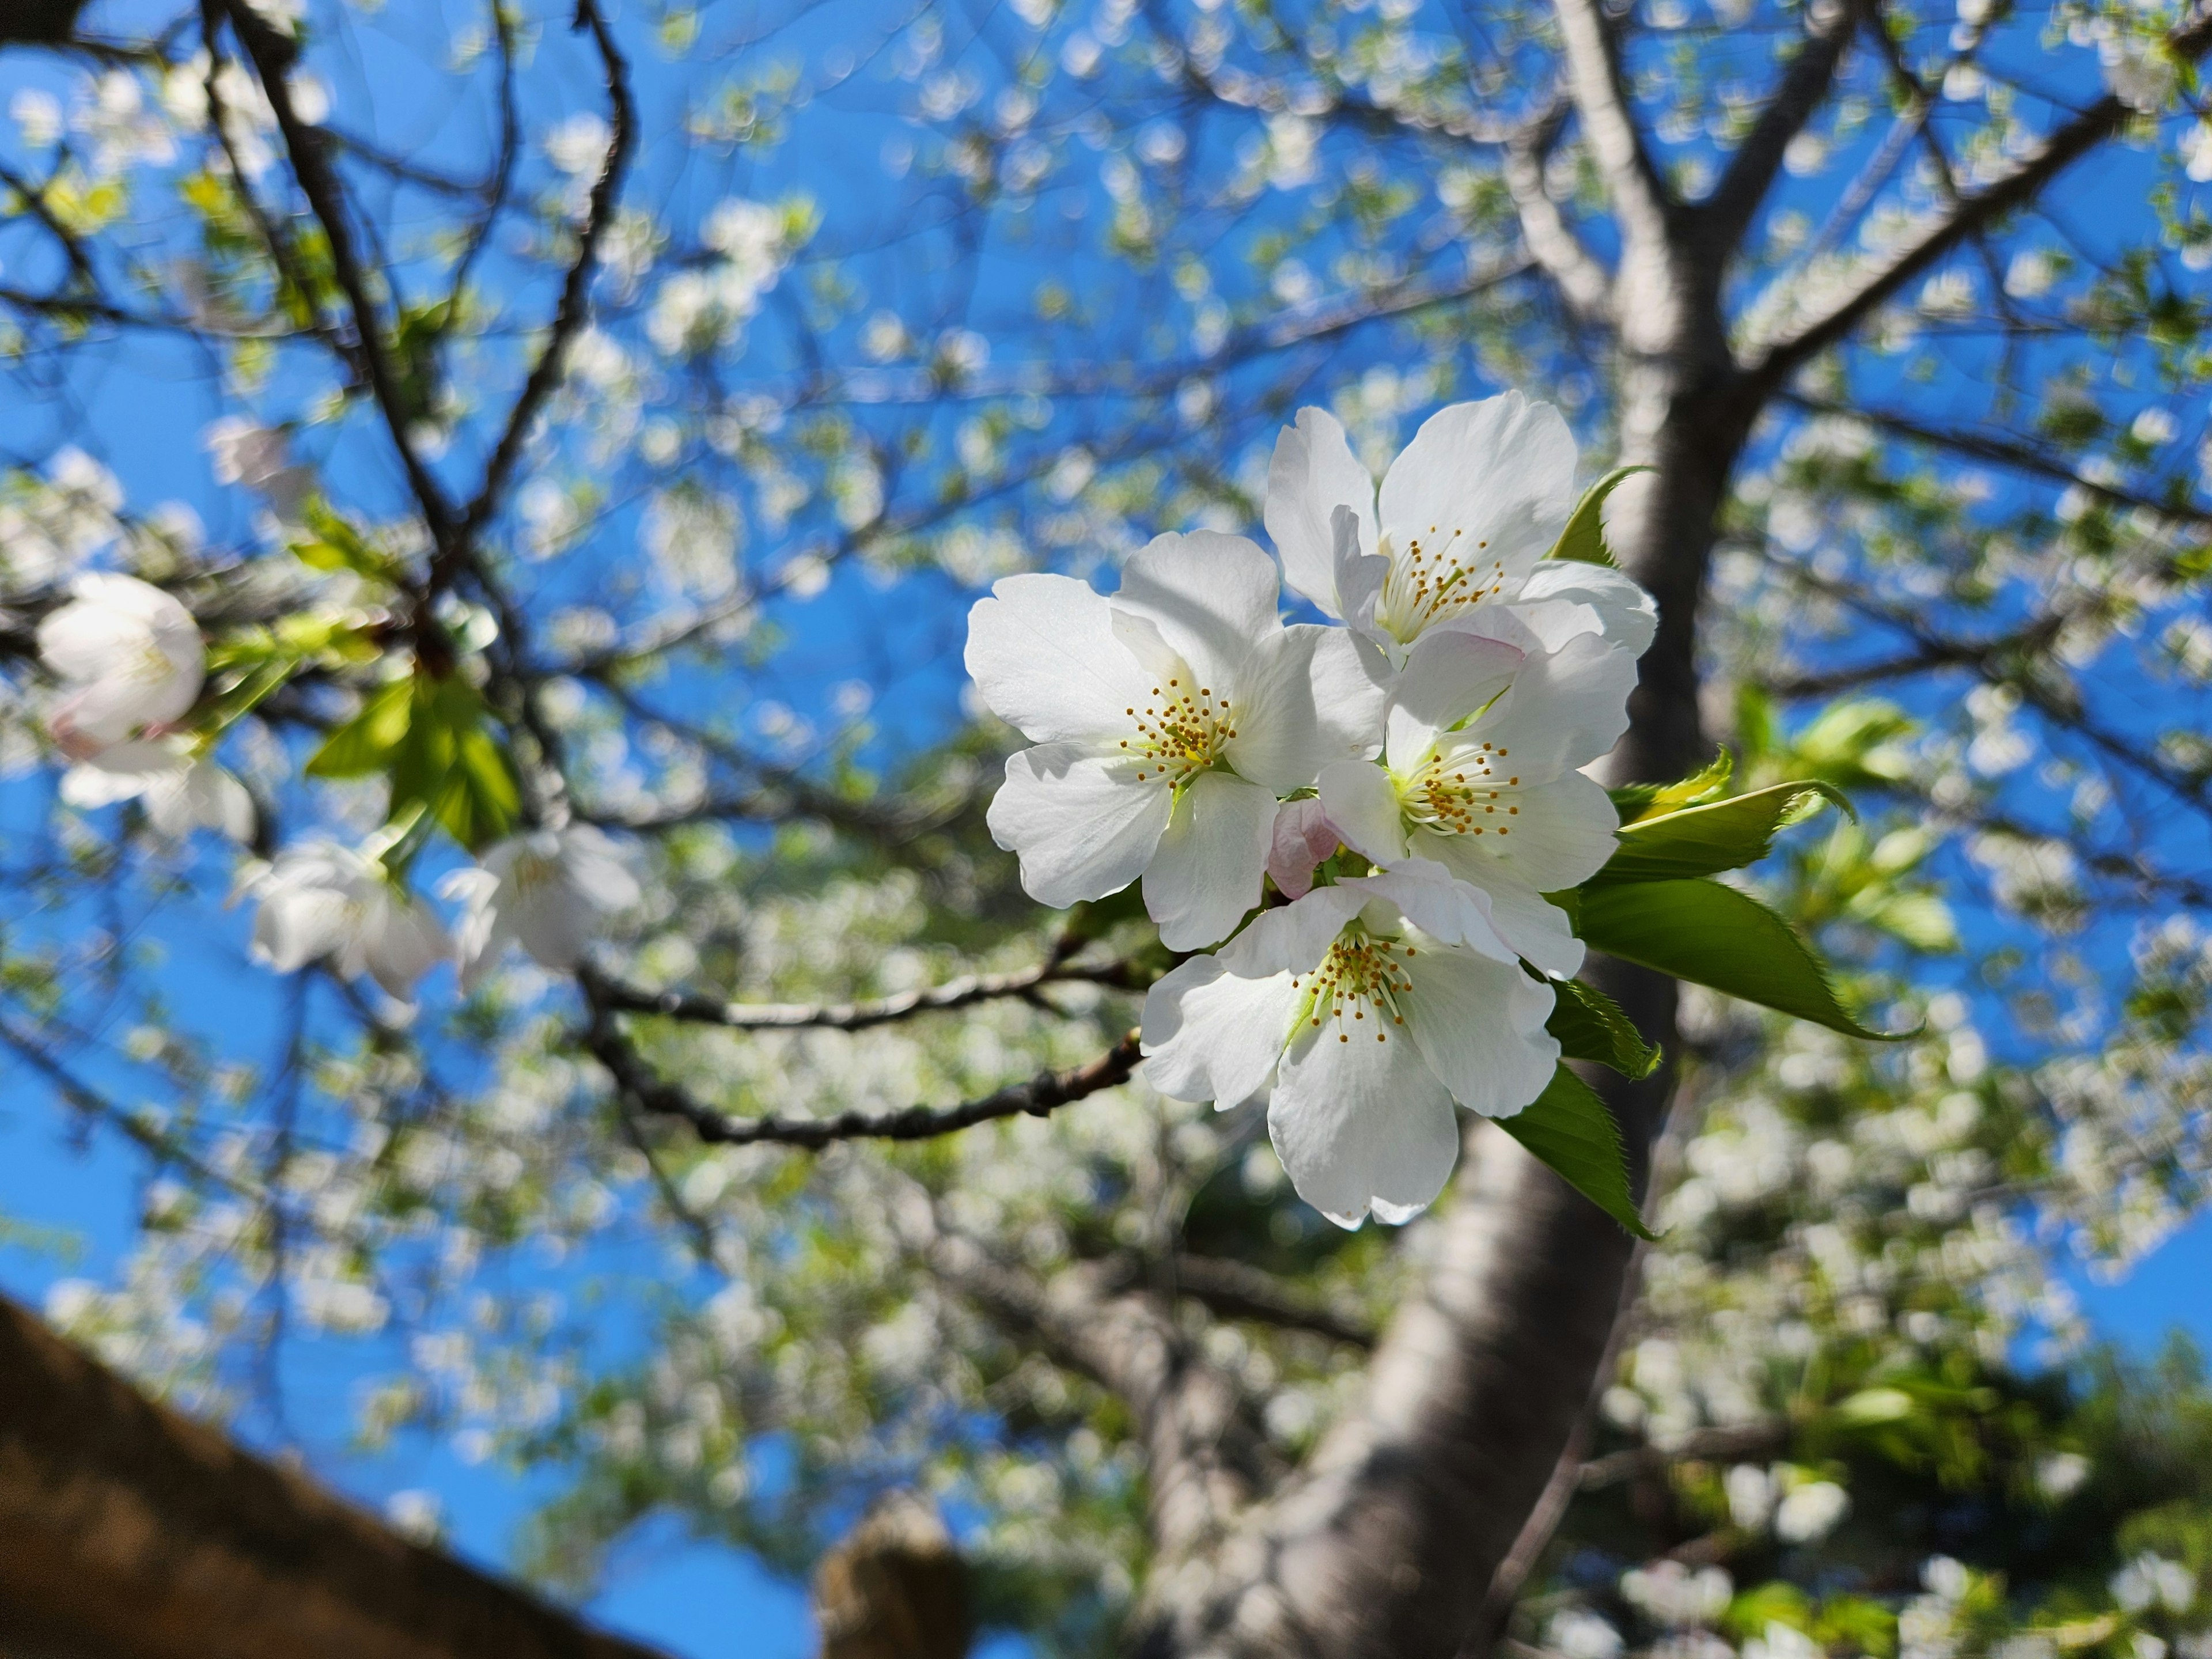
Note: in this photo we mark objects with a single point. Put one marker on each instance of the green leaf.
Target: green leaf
(365, 743)
(1590, 1025)
(337, 546)
(1636, 801)
(1584, 538)
(1568, 1128)
(1713, 935)
(1722, 834)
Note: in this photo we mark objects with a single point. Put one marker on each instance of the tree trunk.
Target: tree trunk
(129, 1532)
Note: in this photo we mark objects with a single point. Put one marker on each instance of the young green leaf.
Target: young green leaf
(1636, 801)
(1712, 935)
(365, 743)
(1590, 1025)
(337, 546)
(1584, 538)
(1568, 1128)
(1722, 834)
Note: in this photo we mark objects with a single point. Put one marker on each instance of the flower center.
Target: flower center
(1180, 732)
(1437, 575)
(1466, 794)
(1362, 976)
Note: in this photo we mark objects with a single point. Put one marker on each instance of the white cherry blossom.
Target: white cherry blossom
(130, 657)
(1168, 718)
(325, 900)
(1496, 799)
(1461, 525)
(183, 791)
(550, 892)
(1362, 1012)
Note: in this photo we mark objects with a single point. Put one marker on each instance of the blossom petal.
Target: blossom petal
(1435, 901)
(1565, 596)
(1207, 873)
(1363, 804)
(1562, 834)
(1083, 827)
(1292, 937)
(1212, 1035)
(1450, 673)
(1533, 926)
(1313, 473)
(1348, 696)
(1489, 484)
(401, 940)
(1565, 708)
(1042, 654)
(1358, 1121)
(1278, 741)
(1212, 597)
(1303, 837)
(1480, 1024)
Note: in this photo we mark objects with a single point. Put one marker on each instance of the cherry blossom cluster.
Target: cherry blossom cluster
(131, 661)
(1352, 822)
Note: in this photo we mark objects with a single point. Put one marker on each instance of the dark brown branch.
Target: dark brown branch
(1040, 1097)
(574, 308)
(271, 54)
(1720, 1444)
(1727, 212)
(962, 993)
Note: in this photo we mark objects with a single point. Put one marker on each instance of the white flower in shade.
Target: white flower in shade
(1496, 799)
(129, 658)
(182, 792)
(325, 901)
(1168, 719)
(550, 892)
(1810, 1512)
(1465, 517)
(1363, 1011)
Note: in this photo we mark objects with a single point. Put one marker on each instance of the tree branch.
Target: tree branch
(2102, 120)
(1639, 194)
(574, 308)
(1584, 285)
(962, 993)
(1235, 1290)
(1727, 212)
(1040, 1097)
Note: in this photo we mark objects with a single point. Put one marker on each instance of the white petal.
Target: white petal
(1500, 471)
(1212, 597)
(1530, 924)
(598, 869)
(1565, 596)
(1561, 834)
(1083, 827)
(1358, 1121)
(1042, 654)
(222, 803)
(1292, 937)
(1314, 472)
(401, 941)
(1347, 693)
(1361, 574)
(1303, 837)
(119, 771)
(1449, 674)
(1207, 873)
(1565, 709)
(1439, 904)
(1363, 804)
(1278, 741)
(1212, 1035)
(296, 926)
(1480, 1024)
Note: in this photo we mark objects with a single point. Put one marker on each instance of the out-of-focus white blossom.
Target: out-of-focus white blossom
(550, 892)
(325, 901)
(183, 791)
(130, 657)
